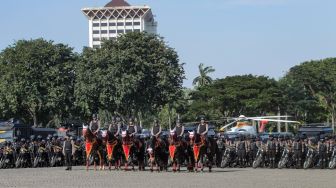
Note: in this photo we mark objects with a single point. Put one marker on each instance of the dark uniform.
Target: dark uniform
(322, 149)
(298, 149)
(241, 152)
(67, 151)
(271, 152)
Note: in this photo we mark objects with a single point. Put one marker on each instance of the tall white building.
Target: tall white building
(116, 18)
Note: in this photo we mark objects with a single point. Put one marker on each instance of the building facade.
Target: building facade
(116, 18)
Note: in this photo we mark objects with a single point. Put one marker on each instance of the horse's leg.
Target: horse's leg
(87, 164)
(100, 161)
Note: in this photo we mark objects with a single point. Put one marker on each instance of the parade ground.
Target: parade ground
(235, 178)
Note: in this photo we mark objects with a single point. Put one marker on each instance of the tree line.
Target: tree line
(139, 75)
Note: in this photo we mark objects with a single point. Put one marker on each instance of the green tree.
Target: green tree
(203, 79)
(318, 78)
(37, 80)
(131, 76)
(235, 95)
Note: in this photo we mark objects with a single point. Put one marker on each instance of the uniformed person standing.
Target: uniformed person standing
(67, 152)
(241, 151)
(322, 149)
(271, 151)
(298, 149)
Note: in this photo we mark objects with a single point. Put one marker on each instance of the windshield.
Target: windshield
(6, 134)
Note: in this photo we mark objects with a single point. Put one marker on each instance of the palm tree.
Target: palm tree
(203, 79)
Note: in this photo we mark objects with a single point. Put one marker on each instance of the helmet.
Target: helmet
(39, 137)
(32, 137)
(94, 116)
(118, 119)
(23, 140)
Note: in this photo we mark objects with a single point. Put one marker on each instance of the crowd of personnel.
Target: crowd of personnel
(240, 151)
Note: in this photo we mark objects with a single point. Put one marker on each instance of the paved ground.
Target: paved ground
(235, 178)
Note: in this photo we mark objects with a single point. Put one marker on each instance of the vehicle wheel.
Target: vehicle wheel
(307, 163)
(36, 162)
(1, 163)
(53, 161)
(18, 163)
(224, 162)
(332, 163)
(281, 163)
(256, 163)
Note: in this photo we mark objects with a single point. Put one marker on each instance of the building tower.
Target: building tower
(116, 18)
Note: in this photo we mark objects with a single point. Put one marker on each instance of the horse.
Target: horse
(112, 144)
(93, 146)
(156, 152)
(133, 151)
(201, 151)
(176, 151)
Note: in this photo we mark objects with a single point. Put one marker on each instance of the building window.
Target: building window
(103, 31)
(120, 31)
(103, 24)
(120, 24)
(95, 32)
(112, 31)
(96, 39)
(96, 46)
(129, 24)
(137, 30)
(95, 24)
(112, 24)
(136, 23)
(128, 30)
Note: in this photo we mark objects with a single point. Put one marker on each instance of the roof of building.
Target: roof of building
(117, 3)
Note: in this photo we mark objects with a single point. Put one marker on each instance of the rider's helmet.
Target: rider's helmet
(39, 137)
(131, 120)
(23, 140)
(32, 138)
(94, 116)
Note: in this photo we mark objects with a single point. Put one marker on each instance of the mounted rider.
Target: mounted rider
(131, 128)
(156, 132)
(179, 129)
(114, 127)
(95, 124)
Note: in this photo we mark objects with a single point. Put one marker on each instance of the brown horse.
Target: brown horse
(199, 147)
(175, 149)
(111, 142)
(92, 146)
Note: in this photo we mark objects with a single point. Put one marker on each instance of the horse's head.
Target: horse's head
(124, 134)
(104, 134)
(85, 128)
(150, 150)
(192, 135)
(172, 133)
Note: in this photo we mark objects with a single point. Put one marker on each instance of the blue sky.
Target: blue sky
(261, 37)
